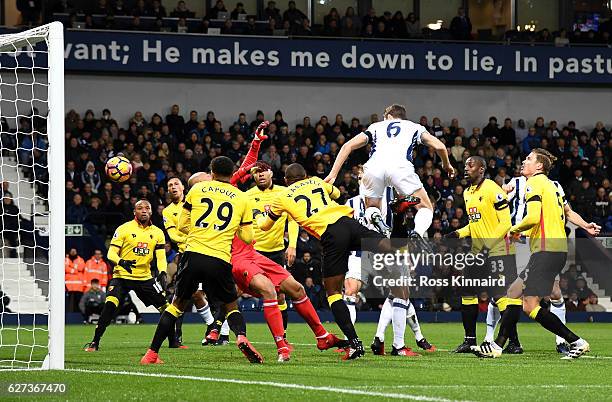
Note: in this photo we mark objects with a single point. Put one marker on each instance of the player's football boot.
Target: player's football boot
(178, 345)
(284, 354)
(426, 346)
(577, 349)
(91, 347)
(354, 350)
(378, 347)
(563, 348)
(248, 350)
(401, 204)
(223, 340)
(487, 350)
(465, 347)
(211, 338)
(330, 341)
(151, 357)
(419, 242)
(380, 225)
(403, 351)
(513, 349)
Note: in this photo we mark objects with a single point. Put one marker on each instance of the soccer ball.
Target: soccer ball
(118, 169)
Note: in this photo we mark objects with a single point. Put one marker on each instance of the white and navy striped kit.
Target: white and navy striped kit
(516, 198)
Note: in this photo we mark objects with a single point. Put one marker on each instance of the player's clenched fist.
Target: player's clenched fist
(259, 132)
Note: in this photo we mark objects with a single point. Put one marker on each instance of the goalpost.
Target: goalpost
(32, 211)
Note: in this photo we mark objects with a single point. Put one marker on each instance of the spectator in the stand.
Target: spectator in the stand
(413, 26)
(461, 26)
(582, 289)
(219, 7)
(119, 8)
(181, 26)
(272, 13)
(306, 266)
(348, 29)
(9, 224)
(181, 11)
(370, 18)
(585, 199)
(293, 15)
(76, 212)
(355, 20)
(593, 305)
(381, 30)
(92, 177)
(531, 141)
(238, 10)
(251, 27)
(74, 267)
(332, 29)
(306, 243)
(574, 303)
(491, 129)
(228, 28)
(457, 149)
(332, 15)
(157, 10)
(602, 210)
(521, 131)
(96, 269)
(561, 39)
(398, 26)
(507, 135)
(136, 26)
(304, 29)
(272, 158)
(92, 301)
(30, 11)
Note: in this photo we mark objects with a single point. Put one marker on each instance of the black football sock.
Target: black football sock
(509, 318)
(552, 323)
(178, 335)
(285, 316)
(343, 318)
(469, 316)
(164, 328)
(236, 322)
(105, 318)
(399, 227)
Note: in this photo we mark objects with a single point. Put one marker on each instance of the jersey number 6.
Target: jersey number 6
(393, 129)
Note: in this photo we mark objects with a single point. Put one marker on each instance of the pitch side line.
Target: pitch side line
(348, 391)
(455, 386)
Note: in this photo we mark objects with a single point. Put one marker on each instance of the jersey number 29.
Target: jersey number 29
(224, 213)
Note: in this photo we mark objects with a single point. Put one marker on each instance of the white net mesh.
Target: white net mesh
(24, 212)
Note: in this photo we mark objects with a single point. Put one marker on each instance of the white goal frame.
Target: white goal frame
(53, 34)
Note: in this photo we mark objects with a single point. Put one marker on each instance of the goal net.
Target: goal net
(32, 205)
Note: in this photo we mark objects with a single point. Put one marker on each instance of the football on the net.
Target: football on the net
(118, 169)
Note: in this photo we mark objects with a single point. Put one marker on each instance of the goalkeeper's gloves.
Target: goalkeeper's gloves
(162, 279)
(127, 265)
(259, 131)
(242, 174)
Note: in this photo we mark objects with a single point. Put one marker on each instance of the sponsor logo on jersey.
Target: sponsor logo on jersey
(473, 214)
(141, 249)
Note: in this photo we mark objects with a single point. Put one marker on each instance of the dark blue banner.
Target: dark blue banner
(185, 54)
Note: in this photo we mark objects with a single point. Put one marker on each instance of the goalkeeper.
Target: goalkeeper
(132, 249)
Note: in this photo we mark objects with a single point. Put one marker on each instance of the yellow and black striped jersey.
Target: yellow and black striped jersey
(310, 202)
(487, 208)
(549, 232)
(138, 243)
(171, 216)
(273, 239)
(217, 210)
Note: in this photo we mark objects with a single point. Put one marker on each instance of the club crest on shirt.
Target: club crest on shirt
(141, 249)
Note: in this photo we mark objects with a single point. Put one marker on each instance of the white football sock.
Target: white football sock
(386, 316)
(400, 308)
(350, 304)
(413, 321)
(422, 221)
(225, 329)
(557, 307)
(206, 315)
(493, 316)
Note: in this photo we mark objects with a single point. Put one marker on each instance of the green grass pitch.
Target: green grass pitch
(223, 374)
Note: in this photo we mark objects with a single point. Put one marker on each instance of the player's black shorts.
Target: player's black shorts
(339, 239)
(542, 268)
(276, 256)
(214, 274)
(148, 291)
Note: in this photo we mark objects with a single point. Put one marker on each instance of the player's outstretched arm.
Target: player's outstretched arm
(245, 233)
(264, 222)
(358, 141)
(441, 150)
(591, 228)
(176, 235)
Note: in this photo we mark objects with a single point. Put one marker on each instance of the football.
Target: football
(118, 169)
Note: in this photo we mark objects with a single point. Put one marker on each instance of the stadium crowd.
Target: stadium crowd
(175, 146)
(151, 16)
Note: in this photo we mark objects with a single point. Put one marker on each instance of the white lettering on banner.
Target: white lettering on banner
(97, 51)
(385, 60)
(237, 57)
(573, 65)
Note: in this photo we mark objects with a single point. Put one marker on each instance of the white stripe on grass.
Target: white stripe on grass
(491, 386)
(337, 390)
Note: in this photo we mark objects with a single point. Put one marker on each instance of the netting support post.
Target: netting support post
(57, 210)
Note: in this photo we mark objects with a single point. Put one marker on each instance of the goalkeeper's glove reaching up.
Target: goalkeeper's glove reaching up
(259, 131)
